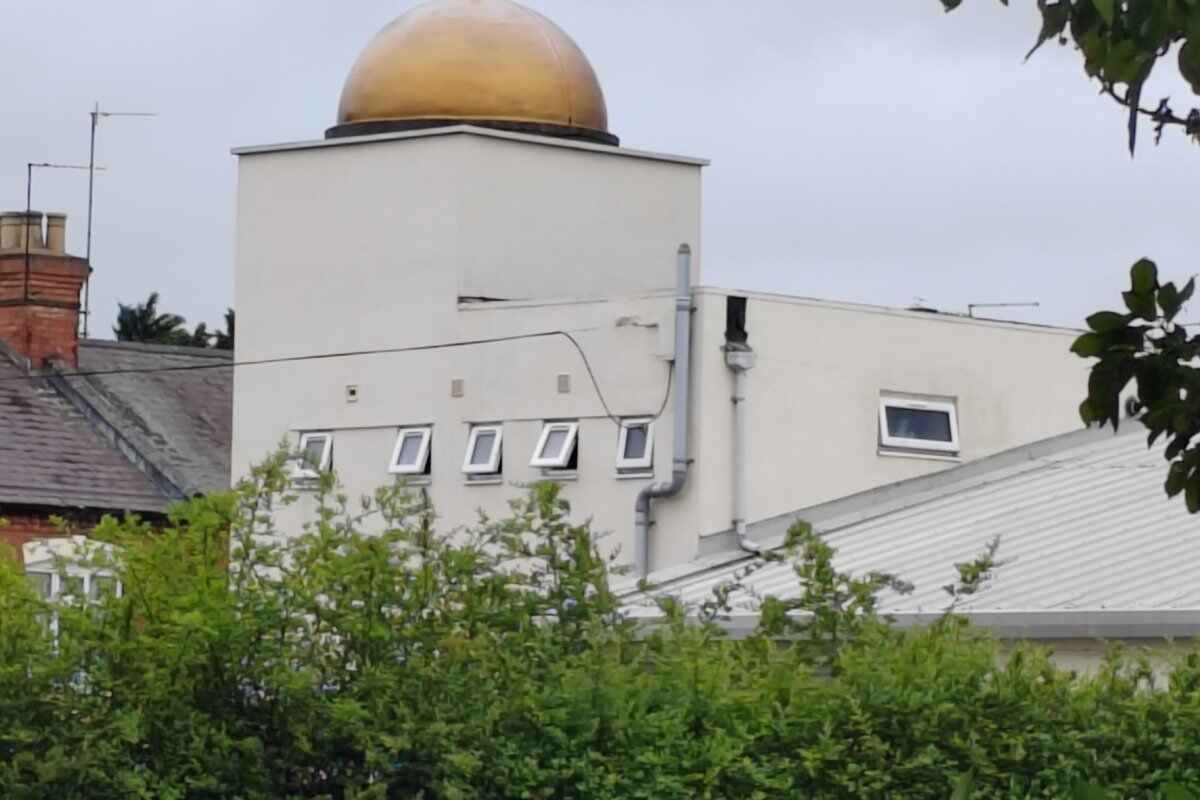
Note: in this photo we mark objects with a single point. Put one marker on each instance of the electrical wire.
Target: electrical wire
(358, 353)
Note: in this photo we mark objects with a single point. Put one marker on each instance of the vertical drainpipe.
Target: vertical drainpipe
(679, 464)
(740, 360)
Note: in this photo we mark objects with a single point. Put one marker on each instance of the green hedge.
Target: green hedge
(403, 664)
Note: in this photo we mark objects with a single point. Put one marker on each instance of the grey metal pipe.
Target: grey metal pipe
(740, 360)
(679, 463)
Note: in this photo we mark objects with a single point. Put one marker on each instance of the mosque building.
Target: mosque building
(497, 291)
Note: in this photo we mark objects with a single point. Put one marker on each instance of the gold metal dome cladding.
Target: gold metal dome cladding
(490, 62)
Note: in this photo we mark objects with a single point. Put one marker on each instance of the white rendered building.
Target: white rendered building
(508, 276)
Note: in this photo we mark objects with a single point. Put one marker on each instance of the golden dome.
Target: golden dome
(486, 62)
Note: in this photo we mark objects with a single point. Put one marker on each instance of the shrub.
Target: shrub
(496, 663)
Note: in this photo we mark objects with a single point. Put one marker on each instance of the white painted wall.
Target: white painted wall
(363, 246)
(369, 245)
(813, 397)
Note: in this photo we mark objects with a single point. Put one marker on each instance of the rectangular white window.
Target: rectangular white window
(77, 584)
(411, 454)
(316, 454)
(484, 447)
(556, 447)
(912, 424)
(635, 446)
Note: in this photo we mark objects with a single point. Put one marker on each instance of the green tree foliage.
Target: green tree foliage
(1145, 346)
(368, 656)
(142, 322)
(1121, 42)
(223, 340)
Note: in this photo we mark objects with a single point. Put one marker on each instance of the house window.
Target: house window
(77, 584)
(556, 447)
(484, 448)
(411, 454)
(71, 569)
(635, 446)
(316, 454)
(912, 424)
(41, 583)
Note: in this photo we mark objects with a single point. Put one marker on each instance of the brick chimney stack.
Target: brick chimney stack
(39, 287)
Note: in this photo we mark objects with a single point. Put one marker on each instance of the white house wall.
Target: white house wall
(549, 222)
(514, 383)
(362, 246)
(813, 398)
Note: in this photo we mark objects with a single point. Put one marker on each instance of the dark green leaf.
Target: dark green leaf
(1191, 494)
(1054, 21)
(1142, 305)
(950, 5)
(1177, 446)
(1187, 291)
(1105, 321)
(1087, 413)
(1089, 345)
(1144, 276)
(1168, 300)
(1176, 479)
(1105, 7)
(1189, 64)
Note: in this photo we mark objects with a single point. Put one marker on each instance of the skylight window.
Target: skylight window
(635, 446)
(316, 454)
(484, 448)
(912, 424)
(411, 454)
(556, 447)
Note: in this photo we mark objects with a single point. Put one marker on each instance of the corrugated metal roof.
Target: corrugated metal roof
(1084, 525)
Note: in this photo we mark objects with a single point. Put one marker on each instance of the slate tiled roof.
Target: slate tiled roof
(50, 455)
(179, 420)
(1088, 542)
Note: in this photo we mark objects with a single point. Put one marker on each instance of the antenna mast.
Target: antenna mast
(96, 114)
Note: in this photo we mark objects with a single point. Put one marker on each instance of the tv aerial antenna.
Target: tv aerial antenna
(96, 114)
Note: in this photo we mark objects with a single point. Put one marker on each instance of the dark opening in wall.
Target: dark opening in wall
(735, 320)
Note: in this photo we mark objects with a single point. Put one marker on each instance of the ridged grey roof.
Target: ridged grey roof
(1086, 534)
(50, 455)
(181, 421)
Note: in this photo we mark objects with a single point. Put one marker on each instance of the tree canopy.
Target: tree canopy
(142, 322)
(1121, 42)
(368, 655)
(1145, 362)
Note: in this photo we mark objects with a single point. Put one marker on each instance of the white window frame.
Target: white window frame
(492, 466)
(646, 462)
(86, 576)
(420, 467)
(304, 471)
(64, 558)
(947, 407)
(568, 449)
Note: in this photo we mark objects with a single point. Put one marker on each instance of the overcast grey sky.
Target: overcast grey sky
(873, 151)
